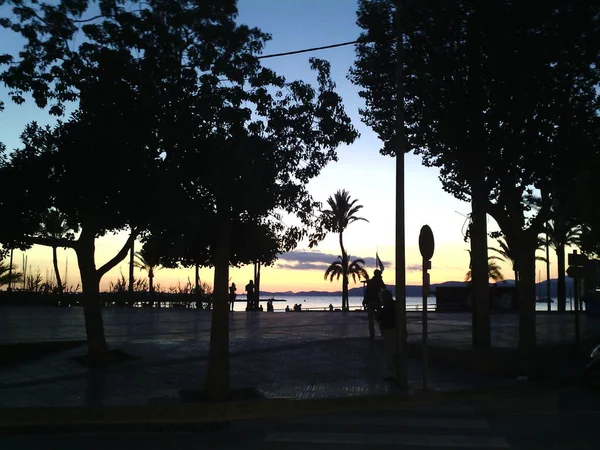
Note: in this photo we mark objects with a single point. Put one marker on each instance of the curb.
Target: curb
(52, 418)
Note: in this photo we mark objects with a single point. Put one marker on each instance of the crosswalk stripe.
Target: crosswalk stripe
(391, 439)
(417, 422)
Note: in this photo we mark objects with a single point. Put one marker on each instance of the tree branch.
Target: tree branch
(119, 256)
(543, 214)
(50, 241)
(499, 215)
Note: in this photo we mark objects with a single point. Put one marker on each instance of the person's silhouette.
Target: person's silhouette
(250, 295)
(232, 295)
(373, 300)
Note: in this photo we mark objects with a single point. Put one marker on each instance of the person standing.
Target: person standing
(388, 324)
(232, 295)
(250, 296)
(373, 300)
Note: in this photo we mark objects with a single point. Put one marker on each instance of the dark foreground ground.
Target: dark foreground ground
(293, 355)
(544, 419)
(294, 358)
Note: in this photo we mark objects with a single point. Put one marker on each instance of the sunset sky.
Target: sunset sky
(367, 175)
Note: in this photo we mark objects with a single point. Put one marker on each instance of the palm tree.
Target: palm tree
(494, 272)
(341, 213)
(346, 269)
(8, 274)
(55, 226)
(148, 260)
(560, 235)
(508, 256)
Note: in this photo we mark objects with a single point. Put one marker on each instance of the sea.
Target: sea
(321, 303)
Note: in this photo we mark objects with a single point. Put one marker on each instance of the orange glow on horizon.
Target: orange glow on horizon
(450, 263)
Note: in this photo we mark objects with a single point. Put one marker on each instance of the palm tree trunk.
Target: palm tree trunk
(344, 275)
(92, 308)
(131, 267)
(151, 285)
(56, 271)
(10, 269)
(562, 288)
(217, 371)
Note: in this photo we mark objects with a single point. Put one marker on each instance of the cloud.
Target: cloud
(307, 256)
(449, 267)
(418, 268)
(304, 266)
(319, 257)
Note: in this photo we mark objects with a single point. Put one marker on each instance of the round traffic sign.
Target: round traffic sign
(426, 242)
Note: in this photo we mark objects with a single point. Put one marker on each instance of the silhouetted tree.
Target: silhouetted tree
(494, 272)
(8, 275)
(508, 256)
(576, 207)
(148, 260)
(179, 85)
(562, 234)
(341, 213)
(120, 78)
(55, 226)
(477, 82)
(345, 268)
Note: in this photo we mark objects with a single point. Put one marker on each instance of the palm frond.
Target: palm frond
(7, 275)
(341, 213)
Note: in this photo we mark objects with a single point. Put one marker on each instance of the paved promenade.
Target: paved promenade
(299, 355)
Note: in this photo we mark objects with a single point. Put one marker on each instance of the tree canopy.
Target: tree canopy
(536, 76)
(172, 110)
(501, 97)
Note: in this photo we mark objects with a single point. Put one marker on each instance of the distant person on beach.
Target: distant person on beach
(287, 308)
(388, 325)
(232, 295)
(250, 295)
(330, 307)
(373, 301)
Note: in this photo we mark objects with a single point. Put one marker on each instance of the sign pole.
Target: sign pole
(426, 266)
(426, 247)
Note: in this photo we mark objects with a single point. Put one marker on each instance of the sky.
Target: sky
(361, 169)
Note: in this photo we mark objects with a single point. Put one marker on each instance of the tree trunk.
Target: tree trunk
(481, 327)
(527, 316)
(56, 271)
(151, 286)
(10, 267)
(131, 267)
(92, 308)
(217, 371)
(562, 288)
(345, 305)
(344, 275)
(478, 145)
(257, 284)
